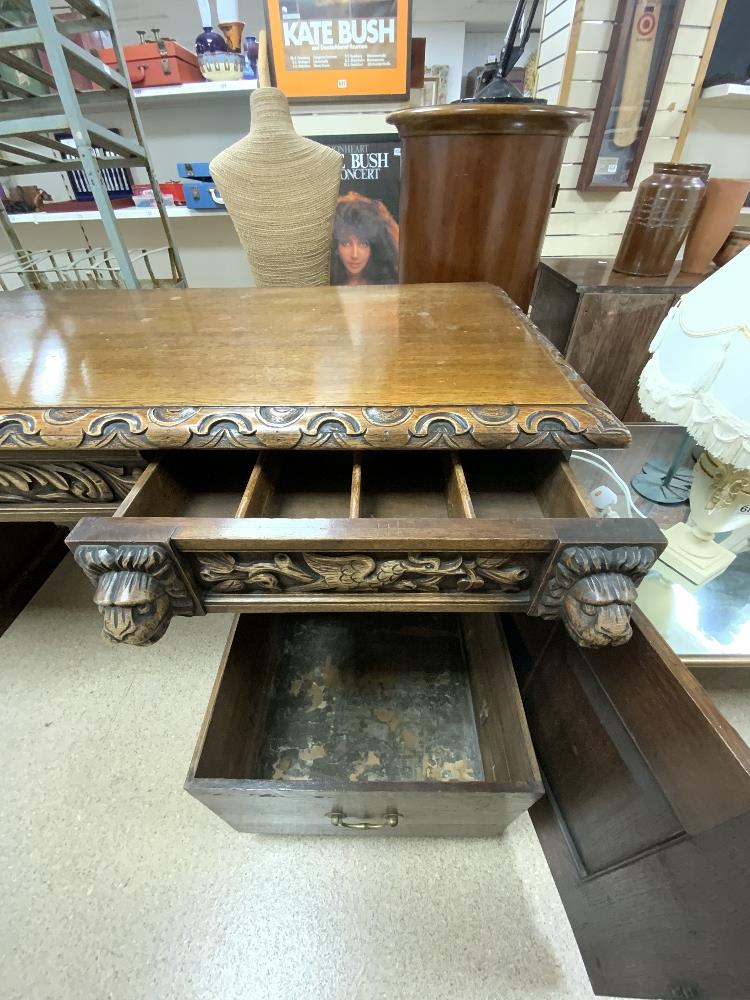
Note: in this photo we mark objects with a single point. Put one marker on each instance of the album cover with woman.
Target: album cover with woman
(365, 230)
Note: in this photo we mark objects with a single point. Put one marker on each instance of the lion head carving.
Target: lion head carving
(136, 589)
(593, 590)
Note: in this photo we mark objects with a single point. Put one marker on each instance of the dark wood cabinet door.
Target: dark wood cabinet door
(646, 824)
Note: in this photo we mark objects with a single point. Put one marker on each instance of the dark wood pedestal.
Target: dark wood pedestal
(603, 322)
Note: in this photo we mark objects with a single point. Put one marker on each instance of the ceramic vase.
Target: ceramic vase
(665, 206)
(232, 31)
(713, 223)
(209, 41)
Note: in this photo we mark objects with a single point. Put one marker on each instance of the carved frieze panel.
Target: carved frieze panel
(24, 482)
(357, 573)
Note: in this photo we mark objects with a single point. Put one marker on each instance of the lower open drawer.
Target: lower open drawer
(398, 724)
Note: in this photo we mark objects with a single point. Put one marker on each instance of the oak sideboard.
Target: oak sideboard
(428, 617)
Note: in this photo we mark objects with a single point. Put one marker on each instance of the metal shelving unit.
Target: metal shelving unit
(29, 123)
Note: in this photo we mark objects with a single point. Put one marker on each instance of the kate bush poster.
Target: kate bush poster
(365, 229)
(347, 48)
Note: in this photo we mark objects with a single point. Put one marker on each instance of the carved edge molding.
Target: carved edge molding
(138, 590)
(66, 481)
(351, 573)
(286, 427)
(592, 589)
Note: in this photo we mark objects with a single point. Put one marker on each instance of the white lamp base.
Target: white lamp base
(696, 559)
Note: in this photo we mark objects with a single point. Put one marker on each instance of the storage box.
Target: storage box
(202, 194)
(199, 170)
(157, 65)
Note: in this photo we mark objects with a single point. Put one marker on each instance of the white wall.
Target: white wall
(445, 47)
(178, 19)
(721, 137)
(591, 224)
(478, 45)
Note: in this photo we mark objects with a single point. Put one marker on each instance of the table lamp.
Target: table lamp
(699, 377)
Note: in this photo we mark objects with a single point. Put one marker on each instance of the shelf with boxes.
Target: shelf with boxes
(54, 84)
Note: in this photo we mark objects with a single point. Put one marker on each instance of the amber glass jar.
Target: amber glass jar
(664, 209)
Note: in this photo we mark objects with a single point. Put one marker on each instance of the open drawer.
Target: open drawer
(397, 724)
(379, 531)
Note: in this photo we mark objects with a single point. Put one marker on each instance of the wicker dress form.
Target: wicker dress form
(280, 191)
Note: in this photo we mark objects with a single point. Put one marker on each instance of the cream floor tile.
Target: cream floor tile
(116, 884)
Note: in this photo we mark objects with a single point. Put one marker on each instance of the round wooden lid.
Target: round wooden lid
(483, 119)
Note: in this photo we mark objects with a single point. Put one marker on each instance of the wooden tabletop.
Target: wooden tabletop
(389, 366)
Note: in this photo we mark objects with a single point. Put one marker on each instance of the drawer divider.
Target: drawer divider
(260, 487)
(355, 498)
(457, 495)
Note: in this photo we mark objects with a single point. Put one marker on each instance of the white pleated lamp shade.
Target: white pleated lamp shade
(699, 372)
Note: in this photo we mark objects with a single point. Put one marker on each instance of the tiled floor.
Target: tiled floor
(116, 884)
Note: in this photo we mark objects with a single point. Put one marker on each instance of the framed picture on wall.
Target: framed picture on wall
(640, 49)
(435, 90)
(340, 48)
(365, 230)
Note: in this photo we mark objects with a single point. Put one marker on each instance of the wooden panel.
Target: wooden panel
(229, 746)
(670, 920)
(507, 751)
(610, 339)
(611, 805)
(60, 487)
(459, 810)
(559, 493)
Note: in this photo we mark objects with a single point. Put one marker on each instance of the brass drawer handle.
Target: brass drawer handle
(339, 819)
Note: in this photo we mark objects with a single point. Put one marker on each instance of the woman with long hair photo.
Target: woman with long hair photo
(365, 243)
